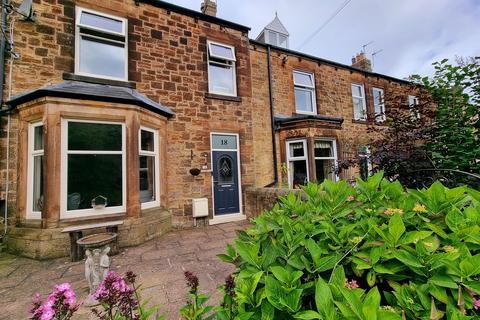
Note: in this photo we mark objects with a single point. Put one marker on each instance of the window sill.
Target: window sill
(222, 97)
(360, 121)
(117, 83)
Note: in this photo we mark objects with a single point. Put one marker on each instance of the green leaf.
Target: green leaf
(281, 274)
(371, 304)
(324, 300)
(443, 280)
(249, 252)
(309, 314)
(396, 228)
(407, 258)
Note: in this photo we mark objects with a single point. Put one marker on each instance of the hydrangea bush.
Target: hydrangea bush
(373, 251)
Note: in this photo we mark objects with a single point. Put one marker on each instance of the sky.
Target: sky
(411, 33)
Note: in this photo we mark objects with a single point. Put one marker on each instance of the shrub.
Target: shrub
(373, 251)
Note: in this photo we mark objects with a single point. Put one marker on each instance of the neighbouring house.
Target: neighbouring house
(149, 113)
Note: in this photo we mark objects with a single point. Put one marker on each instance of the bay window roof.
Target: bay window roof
(93, 91)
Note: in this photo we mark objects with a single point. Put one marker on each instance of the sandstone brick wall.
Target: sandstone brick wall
(333, 98)
(168, 61)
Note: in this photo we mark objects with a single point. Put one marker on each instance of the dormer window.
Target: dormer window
(277, 39)
(275, 34)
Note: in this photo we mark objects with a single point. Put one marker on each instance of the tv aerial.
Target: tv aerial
(25, 9)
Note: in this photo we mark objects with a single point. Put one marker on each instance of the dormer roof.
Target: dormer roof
(277, 26)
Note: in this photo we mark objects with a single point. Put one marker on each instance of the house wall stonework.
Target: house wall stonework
(167, 60)
(333, 99)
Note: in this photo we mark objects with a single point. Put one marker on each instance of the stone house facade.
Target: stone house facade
(148, 113)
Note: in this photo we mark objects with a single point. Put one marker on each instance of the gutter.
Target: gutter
(272, 116)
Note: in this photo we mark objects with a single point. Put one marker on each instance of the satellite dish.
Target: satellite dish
(26, 9)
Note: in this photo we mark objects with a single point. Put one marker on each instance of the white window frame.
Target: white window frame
(277, 38)
(364, 104)
(303, 87)
(155, 154)
(78, 35)
(413, 101)
(231, 63)
(292, 159)
(85, 213)
(379, 117)
(334, 157)
(30, 172)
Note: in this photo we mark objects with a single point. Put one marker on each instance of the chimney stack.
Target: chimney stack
(209, 7)
(361, 61)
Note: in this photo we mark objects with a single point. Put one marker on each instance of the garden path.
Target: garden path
(159, 265)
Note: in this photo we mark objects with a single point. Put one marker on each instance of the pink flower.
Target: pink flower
(351, 284)
(47, 314)
(476, 304)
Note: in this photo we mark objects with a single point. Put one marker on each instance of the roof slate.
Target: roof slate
(277, 26)
(93, 91)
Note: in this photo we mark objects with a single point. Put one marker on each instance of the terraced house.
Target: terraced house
(137, 116)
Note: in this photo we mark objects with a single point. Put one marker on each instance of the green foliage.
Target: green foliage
(454, 138)
(373, 251)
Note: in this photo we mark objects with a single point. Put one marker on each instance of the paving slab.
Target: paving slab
(159, 263)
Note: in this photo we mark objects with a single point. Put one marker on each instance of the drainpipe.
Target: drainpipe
(2, 80)
(272, 115)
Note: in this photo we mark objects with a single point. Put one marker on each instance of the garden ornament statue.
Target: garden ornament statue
(97, 266)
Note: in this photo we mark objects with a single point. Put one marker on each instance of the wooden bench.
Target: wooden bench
(76, 232)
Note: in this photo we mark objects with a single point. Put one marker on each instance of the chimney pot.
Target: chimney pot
(209, 7)
(360, 61)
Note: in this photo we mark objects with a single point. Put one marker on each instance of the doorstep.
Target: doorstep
(227, 218)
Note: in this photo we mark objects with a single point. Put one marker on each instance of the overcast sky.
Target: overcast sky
(411, 33)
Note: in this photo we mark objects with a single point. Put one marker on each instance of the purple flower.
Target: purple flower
(192, 281)
(476, 303)
(61, 303)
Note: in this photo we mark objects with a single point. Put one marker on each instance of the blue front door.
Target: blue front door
(225, 182)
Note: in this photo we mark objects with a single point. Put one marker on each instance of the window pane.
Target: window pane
(101, 22)
(272, 38)
(378, 101)
(221, 52)
(102, 57)
(283, 41)
(221, 79)
(147, 140)
(296, 149)
(357, 91)
(225, 170)
(324, 169)
(38, 138)
(147, 179)
(303, 100)
(94, 136)
(298, 173)
(323, 149)
(93, 175)
(359, 112)
(37, 199)
(224, 142)
(303, 79)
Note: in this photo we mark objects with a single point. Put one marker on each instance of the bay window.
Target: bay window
(359, 105)
(304, 84)
(35, 170)
(325, 159)
(93, 168)
(101, 45)
(148, 167)
(297, 163)
(221, 69)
